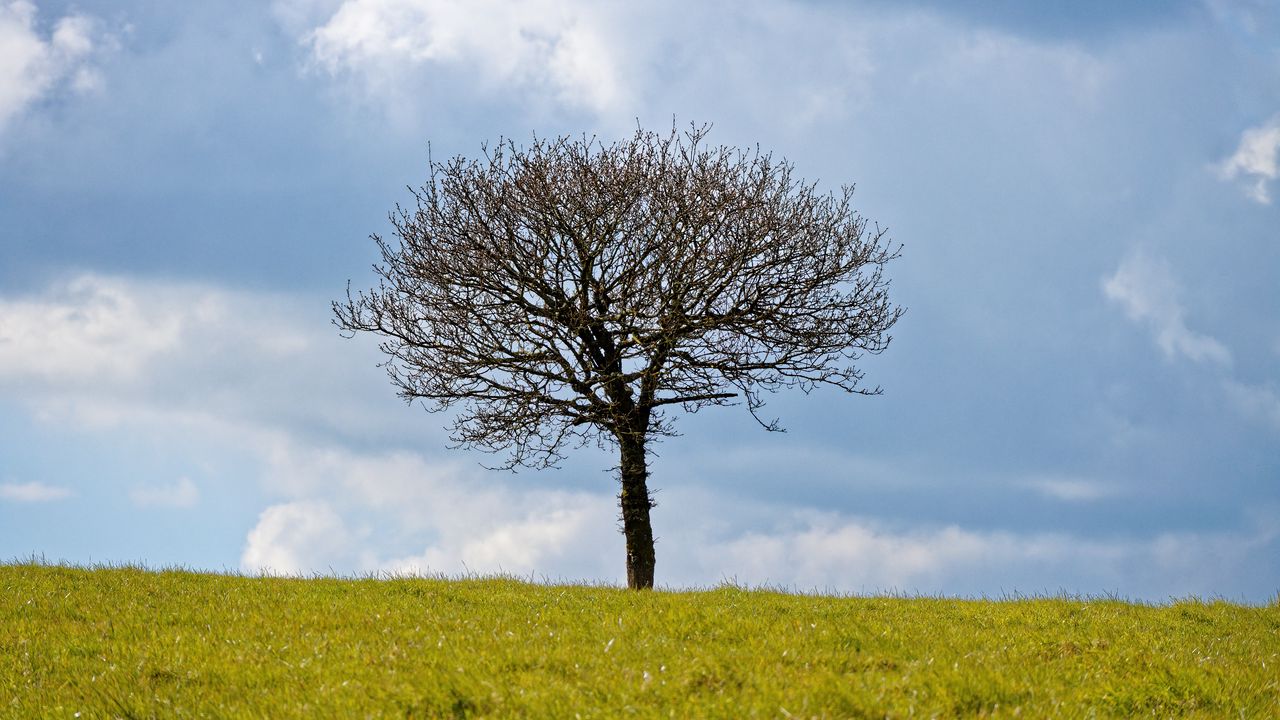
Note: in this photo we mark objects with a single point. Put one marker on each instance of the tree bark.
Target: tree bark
(636, 503)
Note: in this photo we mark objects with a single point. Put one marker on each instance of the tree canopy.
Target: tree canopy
(573, 291)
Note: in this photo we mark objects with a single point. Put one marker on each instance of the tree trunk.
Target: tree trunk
(636, 503)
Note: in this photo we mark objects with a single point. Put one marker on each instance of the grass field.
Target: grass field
(123, 642)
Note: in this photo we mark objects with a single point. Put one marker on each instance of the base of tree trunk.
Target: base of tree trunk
(636, 504)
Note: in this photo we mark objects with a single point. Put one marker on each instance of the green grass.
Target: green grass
(130, 643)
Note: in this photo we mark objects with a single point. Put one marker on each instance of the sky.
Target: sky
(1083, 396)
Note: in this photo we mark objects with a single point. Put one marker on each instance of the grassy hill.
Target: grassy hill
(123, 642)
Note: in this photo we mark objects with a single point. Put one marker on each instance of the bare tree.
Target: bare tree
(572, 292)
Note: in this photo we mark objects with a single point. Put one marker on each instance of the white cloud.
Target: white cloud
(611, 59)
(483, 524)
(104, 351)
(471, 520)
(298, 537)
(826, 551)
(181, 494)
(91, 329)
(539, 47)
(33, 492)
(33, 67)
(1145, 287)
(777, 66)
(830, 552)
(472, 526)
(1255, 160)
(180, 361)
(538, 542)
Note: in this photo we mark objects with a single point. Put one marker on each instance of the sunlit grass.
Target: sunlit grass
(131, 643)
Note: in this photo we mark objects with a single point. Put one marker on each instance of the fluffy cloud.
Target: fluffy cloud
(831, 552)
(104, 351)
(841, 553)
(370, 507)
(572, 536)
(183, 361)
(299, 537)
(1255, 160)
(777, 65)
(526, 544)
(303, 536)
(611, 59)
(540, 47)
(181, 494)
(33, 492)
(449, 517)
(1145, 287)
(91, 329)
(32, 66)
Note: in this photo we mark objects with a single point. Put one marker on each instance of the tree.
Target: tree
(572, 291)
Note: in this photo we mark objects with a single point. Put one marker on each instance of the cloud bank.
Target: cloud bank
(344, 505)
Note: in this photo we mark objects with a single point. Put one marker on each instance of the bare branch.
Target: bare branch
(567, 291)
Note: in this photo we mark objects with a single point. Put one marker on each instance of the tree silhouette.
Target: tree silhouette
(571, 291)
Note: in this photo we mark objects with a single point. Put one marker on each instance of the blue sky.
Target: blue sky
(1084, 395)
